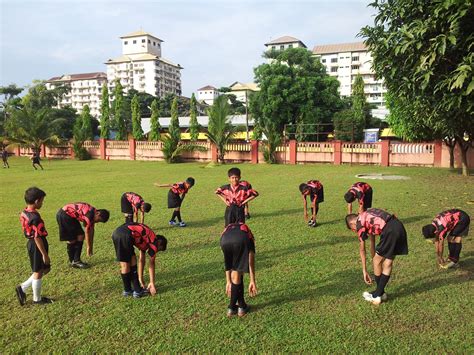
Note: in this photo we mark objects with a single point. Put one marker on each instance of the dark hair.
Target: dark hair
(33, 194)
(233, 172)
(190, 180)
(146, 207)
(104, 215)
(163, 242)
(349, 197)
(303, 187)
(428, 231)
(349, 219)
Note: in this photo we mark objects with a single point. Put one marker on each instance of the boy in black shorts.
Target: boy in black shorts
(235, 195)
(5, 158)
(315, 190)
(363, 193)
(176, 196)
(238, 246)
(35, 159)
(37, 246)
(125, 238)
(453, 224)
(69, 220)
(393, 242)
(131, 203)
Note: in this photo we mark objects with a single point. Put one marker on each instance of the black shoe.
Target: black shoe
(20, 295)
(247, 216)
(242, 311)
(79, 265)
(43, 300)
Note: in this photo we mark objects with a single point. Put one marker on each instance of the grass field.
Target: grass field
(309, 279)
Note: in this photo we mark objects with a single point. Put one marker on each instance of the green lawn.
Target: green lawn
(310, 280)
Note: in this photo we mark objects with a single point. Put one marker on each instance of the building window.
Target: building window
(355, 59)
(282, 47)
(154, 43)
(333, 69)
(126, 42)
(333, 60)
(355, 67)
(149, 41)
(143, 41)
(323, 60)
(134, 42)
(290, 46)
(273, 47)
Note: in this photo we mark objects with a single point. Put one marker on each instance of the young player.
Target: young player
(235, 195)
(363, 193)
(246, 207)
(5, 158)
(37, 246)
(238, 246)
(69, 220)
(315, 190)
(35, 159)
(141, 236)
(176, 196)
(131, 203)
(393, 242)
(453, 224)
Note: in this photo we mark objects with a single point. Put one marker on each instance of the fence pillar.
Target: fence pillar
(43, 151)
(103, 148)
(385, 153)
(337, 149)
(254, 151)
(18, 151)
(71, 151)
(131, 147)
(213, 153)
(438, 150)
(293, 148)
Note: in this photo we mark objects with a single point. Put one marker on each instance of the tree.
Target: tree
(136, 119)
(105, 113)
(87, 123)
(193, 124)
(154, 121)
(119, 112)
(425, 52)
(359, 105)
(82, 132)
(220, 128)
(9, 92)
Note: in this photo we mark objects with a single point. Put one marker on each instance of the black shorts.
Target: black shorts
(462, 228)
(36, 258)
(69, 228)
(234, 214)
(367, 201)
(319, 194)
(36, 161)
(123, 243)
(126, 205)
(174, 201)
(236, 246)
(393, 240)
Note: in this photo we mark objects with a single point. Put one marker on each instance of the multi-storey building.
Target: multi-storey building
(284, 42)
(344, 61)
(243, 90)
(207, 94)
(142, 67)
(84, 89)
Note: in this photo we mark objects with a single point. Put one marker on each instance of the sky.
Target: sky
(217, 42)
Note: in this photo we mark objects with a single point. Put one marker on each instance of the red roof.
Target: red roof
(207, 87)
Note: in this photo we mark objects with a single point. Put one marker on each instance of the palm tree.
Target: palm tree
(220, 128)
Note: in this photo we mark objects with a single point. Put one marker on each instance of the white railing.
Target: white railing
(412, 148)
(314, 147)
(363, 148)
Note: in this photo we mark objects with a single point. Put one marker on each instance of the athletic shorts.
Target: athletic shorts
(236, 246)
(123, 243)
(36, 258)
(174, 201)
(234, 214)
(69, 228)
(393, 240)
(319, 194)
(125, 205)
(462, 228)
(367, 201)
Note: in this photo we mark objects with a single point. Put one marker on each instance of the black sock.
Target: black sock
(240, 298)
(377, 279)
(451, 248)
(234, 294)
(78, 250)
(456, 252)
(127, 285)
(70, 251)
(134, 277)
(178, 214)
(173, 216)
(381, 285)
(129, 218)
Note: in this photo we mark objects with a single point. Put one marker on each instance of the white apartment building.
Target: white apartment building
(85, 89)
(142, 67)
(284, 42)
(242, 90)
(207, 94)
(344, 61)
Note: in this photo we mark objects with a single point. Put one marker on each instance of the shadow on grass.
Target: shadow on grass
(414, 219)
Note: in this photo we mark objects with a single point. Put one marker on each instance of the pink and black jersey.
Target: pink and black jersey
(239, 226)
(315, 192)
(135, 200)
(32, 224)
(446, 222)
(245, 183)
(81, 211)
(144, 238)
(179, 188)
(359, 190)
(371, 222)
(235, 195)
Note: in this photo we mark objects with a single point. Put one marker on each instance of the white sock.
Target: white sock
(37, 289)
(27, 284)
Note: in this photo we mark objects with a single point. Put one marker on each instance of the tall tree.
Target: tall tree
(155, 121)
(119, 112)
(10, 91)
(136, 119)
(105, 113)
(424, 51)
(193, 123)
(86, 119)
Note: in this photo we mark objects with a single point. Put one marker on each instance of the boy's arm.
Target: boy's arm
(252, 285)
(162, 185)
(40, 245)
(305, 208)
(367, 278)
(224, 199)
(248, 200)
(90, 240)
(349, 208)
(228, 283)
(372, 245)
(439, 246)
(141, 266)
(313, 205)
(183, 196)
(142, 219)
(151, 270)
(361, 207)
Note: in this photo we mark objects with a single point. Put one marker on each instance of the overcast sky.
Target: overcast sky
(216, 41)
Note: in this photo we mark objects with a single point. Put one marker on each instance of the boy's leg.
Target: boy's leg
(173, 216)
(71, 247)
(134, 274)
(126, 278)
(27, 284)
(36, 285)
(78, 248)
(384, 277)
(455, 246)
(128, 217)
(235, 278)
(178, 214)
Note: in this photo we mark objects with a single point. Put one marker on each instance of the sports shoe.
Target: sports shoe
(231, 312)
(242, 312)
(182, 224)
(140, 294)
(172, 223)
(370, 298)
(43, 300)
(449, 265)
(79, 265)
(384, 297)
(247, 216)
(127, 293)
(20, 295)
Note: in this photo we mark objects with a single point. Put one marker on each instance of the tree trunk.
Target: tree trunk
(451, 143)
(464, 145)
